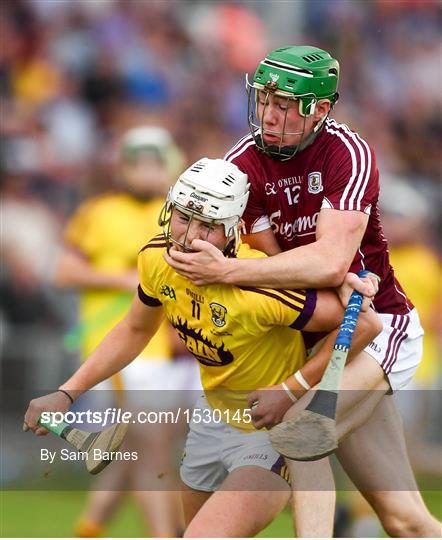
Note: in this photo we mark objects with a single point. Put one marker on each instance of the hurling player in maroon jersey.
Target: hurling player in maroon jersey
(313, 207)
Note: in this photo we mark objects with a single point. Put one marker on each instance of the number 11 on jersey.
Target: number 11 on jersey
(196, 310)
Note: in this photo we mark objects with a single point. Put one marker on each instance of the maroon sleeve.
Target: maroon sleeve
(351, 174)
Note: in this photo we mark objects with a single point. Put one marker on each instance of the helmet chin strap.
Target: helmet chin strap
(231, 248)
(284, 153)
(320, 123)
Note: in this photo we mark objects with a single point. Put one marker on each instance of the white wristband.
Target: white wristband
(289, 393)
(298, 376)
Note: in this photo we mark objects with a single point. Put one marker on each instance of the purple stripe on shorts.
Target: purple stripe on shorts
(400, 324)
(278, 465)
(402, 336)
(396, 341)
(399, 343)
(395, 334)
(387, 354)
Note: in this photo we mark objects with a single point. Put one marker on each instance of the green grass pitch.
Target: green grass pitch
(52, 514)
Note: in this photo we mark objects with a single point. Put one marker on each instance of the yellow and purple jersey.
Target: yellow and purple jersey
(244, 338)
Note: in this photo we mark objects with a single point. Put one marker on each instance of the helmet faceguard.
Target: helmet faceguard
(213, 191)
(149, 161)
(153, 140)
(301, 74)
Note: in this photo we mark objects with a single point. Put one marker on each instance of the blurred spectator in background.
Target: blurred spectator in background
(31, 321)
(100, 67)
(406, 219)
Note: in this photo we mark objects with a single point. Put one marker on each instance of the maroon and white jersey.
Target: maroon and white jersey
(338, 170)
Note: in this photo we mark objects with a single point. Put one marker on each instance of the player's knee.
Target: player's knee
(188, 533)
(202, 528)
(197, 531)
(411, 523)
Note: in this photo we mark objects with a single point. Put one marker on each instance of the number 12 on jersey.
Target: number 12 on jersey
(292, 194)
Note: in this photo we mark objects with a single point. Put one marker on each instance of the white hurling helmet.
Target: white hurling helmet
(211, 190)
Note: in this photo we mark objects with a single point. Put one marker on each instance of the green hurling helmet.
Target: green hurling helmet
(301, 74)
(305, 72)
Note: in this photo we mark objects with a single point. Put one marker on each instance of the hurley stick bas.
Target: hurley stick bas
(98, 445)
(311, 435)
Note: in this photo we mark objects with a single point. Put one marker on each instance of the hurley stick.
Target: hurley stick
(104, 442)
(311, 435)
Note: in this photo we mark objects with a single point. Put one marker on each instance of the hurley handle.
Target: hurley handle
(348, 325)
(55, 429)
(325, 399)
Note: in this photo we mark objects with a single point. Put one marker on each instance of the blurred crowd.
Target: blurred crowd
(76, 75)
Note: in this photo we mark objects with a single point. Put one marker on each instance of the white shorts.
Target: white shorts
(157, 383)
(215, 449)
(398, 348)
(142, 374)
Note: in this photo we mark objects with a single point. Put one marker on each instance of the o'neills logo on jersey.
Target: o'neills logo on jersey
(197, 297)
(314, 180)
(290, 181)
(206, 352)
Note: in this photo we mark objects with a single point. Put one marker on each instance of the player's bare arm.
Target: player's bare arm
(74, 270)
(120, 346)
(323, 263)
(275, 401)
(264, 241)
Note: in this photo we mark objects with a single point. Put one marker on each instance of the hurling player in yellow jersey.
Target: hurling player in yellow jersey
(243, 338)
(102, 240)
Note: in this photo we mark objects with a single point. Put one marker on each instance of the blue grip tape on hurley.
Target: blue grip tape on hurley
(348, 325)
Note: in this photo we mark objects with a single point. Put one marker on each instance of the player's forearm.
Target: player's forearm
(120, 346)
(368, 327)
(314, 368)
(73, 271)
(311, 266)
